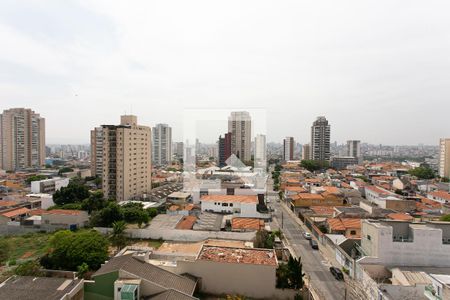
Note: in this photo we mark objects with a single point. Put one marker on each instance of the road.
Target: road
(314, 264)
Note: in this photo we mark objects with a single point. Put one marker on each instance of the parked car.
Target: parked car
(337, 273)
(314, 244)
(307, 235)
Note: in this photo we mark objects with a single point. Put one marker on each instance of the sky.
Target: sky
(378, 70)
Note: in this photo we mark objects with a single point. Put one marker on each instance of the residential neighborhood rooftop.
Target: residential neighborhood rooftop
(231, 198)
(238, 255)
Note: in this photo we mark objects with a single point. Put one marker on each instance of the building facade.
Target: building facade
(162, 144)
(320, 140)
(240, 126)
(288, 148)
(306, 152)
(444, 158)
(260, 151)
(354, 149)
(224, 147)
(122, 158)
(22, 139)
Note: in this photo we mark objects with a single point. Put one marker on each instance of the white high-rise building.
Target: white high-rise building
(444, 158)
(260, 151)
(288, 148)
(162, 144)
(320, 140)
(240, 126)
(22, 139)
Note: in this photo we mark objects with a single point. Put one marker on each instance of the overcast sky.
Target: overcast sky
(378, 70)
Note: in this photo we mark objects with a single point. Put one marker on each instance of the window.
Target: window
(353, 232)
(369, 237)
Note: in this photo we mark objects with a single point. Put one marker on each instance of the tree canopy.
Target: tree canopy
(76, 191)
(313, 165)
(69, 250)
(422, 173)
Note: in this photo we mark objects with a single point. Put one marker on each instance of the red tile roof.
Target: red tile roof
(400, 217)
(297, 189)
(186, 223)
(231, 198)
(246, 223)
(340, 224)
(377, 190)
(7, 203)
(16, 212)
(441, 194)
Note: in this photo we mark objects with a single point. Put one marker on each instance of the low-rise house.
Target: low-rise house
(14, 215)
(48, 288)
(405, 243)
(388, 200)
(350, 228)
(245, 206)
(439, 196)
(236, 271)
(181, 209)
(246, 224)
(400, 217)
(43, 201)
(179, 197)
(65, 218)
(48, 186)
(132, 275)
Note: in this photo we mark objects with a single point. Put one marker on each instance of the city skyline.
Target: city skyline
(157, 61)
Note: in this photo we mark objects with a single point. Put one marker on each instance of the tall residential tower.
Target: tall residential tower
(444, 158)
(22, 139)
(320, 140)
(162, 144)
(288, 148)
(240, 126)
(121, 156)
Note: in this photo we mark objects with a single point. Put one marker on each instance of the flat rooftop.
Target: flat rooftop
(238, 255)
(231, 198)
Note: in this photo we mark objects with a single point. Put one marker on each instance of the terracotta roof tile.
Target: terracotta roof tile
(231, 198)
(71, 212)
(16, 212)
(246, 223)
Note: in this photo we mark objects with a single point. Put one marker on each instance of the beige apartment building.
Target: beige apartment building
(444, 158)
(22, 139)
(121, 156)
(240, 126)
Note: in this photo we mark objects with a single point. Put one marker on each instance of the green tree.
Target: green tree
(445, 218)
(76, 191)
(314, 165)
(71, 249)
(118, 238)
(82, 270)
(152, 212)
(64, 170)
(422, 173)
(263, 239)
(95, 201)
(110, 214)
(35, 178)
(295, 273)
(445, 179)
(28, 268)
(4, 250)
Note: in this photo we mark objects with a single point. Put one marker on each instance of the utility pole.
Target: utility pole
(282, 220)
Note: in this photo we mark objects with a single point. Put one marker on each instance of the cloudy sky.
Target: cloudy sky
(378, 70)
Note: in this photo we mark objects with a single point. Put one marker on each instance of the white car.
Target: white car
(307, 235)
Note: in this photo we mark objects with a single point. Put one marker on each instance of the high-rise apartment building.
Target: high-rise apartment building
(240, 126)
(444, 158)
(121, 156)
(224, 147)
(179, 149)
(306, 152)
(320, 140)
(260, 151)
(22, 139)
(354, 149)
(288, 148)
(162, 144)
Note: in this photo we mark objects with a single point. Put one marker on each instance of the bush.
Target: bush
(29, 268)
